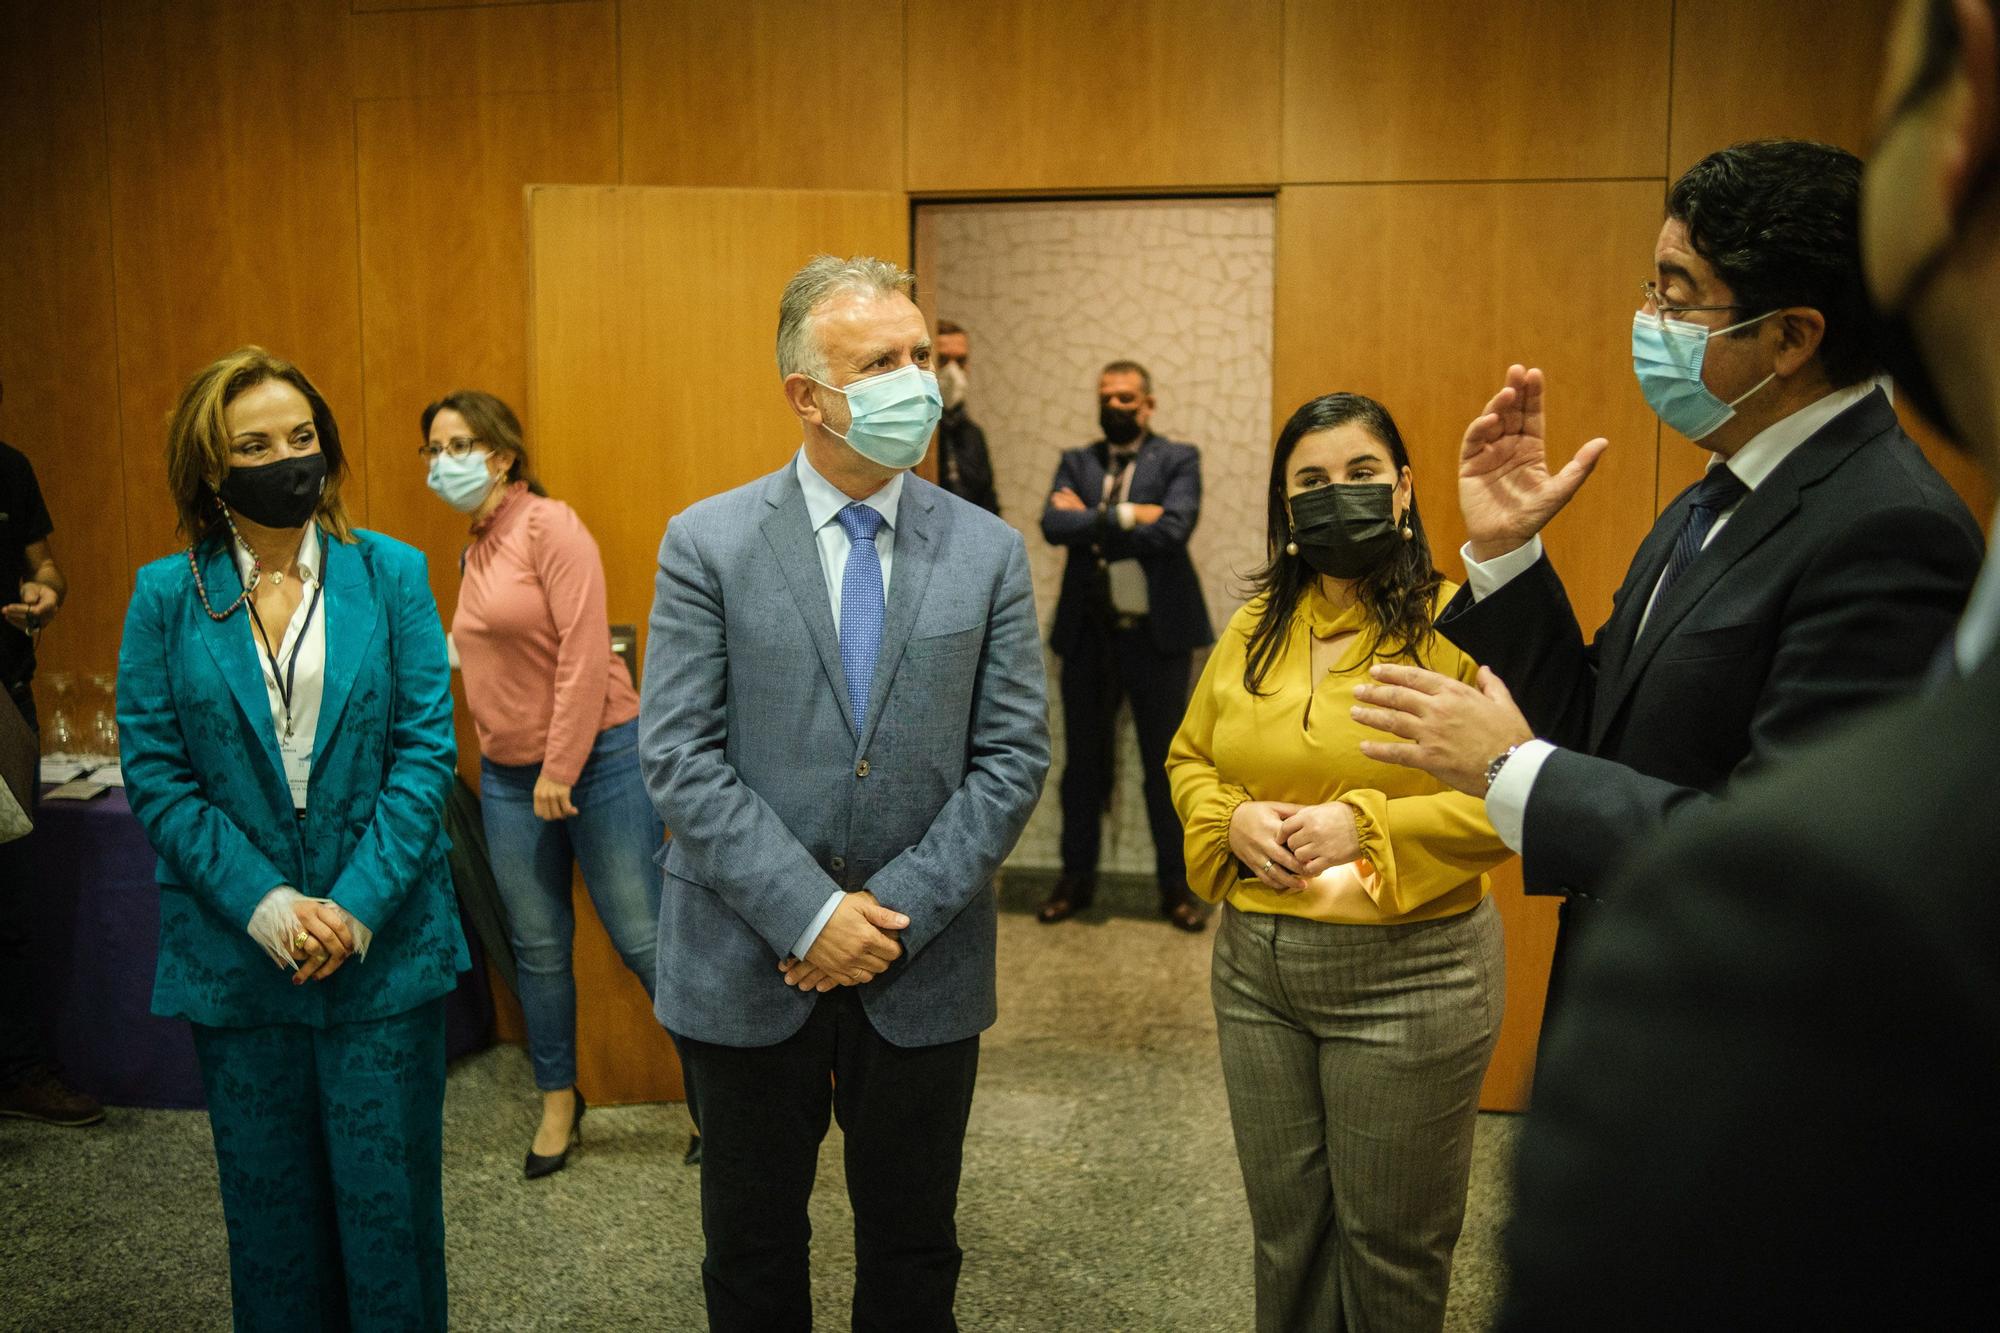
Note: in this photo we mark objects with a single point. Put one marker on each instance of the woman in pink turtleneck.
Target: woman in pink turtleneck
(558, 735)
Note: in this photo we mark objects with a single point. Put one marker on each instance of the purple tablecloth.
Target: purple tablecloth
(96, 945)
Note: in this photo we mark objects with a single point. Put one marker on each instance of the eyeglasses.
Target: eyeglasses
(1666, 309)
(458, 446)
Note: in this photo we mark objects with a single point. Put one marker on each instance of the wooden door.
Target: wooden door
(652, 383)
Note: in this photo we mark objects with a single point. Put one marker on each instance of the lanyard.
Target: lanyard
(288, 673)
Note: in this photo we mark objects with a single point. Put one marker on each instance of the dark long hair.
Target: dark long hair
(1398, 596)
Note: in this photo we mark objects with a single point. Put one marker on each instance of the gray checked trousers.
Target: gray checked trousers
(1353, 1057)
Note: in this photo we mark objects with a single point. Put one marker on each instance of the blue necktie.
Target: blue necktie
(1712, 494)
(860, 607)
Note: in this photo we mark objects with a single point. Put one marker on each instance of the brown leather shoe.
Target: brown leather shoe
(1070, 896)
(1188, 917)
(42, 1096)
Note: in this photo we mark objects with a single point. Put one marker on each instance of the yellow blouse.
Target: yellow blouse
(1425, 848)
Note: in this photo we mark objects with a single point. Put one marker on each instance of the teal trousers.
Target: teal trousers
(330, 1146)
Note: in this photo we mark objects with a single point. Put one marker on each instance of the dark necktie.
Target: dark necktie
(1121, 465)
(861, 608)
(1712, 494)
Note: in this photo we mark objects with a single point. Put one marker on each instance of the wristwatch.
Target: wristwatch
(1499, 762)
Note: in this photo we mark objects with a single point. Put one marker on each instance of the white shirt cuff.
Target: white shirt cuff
(818, 924)
(1126, 519)
(1507, 798)
(1488, 577)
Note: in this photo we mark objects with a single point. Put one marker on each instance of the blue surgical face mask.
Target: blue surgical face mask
(892, 415)
(461, 482)
(1667, 355)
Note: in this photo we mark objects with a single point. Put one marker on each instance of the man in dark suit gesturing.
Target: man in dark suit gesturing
(1770, 1103)
(1813, 570)
(1128, 620)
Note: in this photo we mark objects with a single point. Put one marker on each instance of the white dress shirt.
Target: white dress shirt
(1979, 627)
(824, 501)
(1507, 799)
(302, 657)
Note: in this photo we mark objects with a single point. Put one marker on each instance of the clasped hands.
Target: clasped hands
(856, 945)
(322, 941)
(1284, 845)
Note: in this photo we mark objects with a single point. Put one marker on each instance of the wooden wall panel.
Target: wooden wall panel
(795, 94)
(1444, 90)
(538, 48)
(1092, 94)
(57, 320)
(1774, 70)
(382, 6)
(444, 272)
(653, 318)
(232, 214)
(1420, 296)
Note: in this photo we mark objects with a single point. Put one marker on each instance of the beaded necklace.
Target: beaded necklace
(257, 571)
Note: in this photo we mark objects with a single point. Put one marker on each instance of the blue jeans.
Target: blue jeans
(613, 837)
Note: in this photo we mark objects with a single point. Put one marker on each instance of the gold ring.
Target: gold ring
(301, 940)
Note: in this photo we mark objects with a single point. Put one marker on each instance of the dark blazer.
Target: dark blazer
(1770, 1102)
(965, 468)
(1165, 473)
(202, 772)
(1830, 587)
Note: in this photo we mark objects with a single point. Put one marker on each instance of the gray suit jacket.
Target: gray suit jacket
(775, 798)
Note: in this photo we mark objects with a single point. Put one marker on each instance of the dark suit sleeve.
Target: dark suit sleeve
(1070, 527)
(1008, 757)
(1863, 623)
(1528, 634)
(1743, 1116)
(1180, 505)
(975, 468)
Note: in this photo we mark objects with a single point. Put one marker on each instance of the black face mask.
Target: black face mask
(1119, 424)
(277, 495)
(1346, 531)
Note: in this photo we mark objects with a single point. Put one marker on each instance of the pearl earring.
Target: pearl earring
(1291, 548)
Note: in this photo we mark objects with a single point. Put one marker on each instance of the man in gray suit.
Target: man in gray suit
(843, 723)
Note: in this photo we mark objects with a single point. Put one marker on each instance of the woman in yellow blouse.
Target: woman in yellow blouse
(1358, 977)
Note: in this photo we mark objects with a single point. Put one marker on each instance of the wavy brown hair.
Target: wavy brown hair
(198, 442)
(1398, 596)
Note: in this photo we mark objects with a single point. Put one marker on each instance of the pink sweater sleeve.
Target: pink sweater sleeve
(572, 575)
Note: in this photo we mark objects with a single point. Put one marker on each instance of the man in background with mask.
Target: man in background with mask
(1770, 1102)
(842, 721)
(1128, 620)
(964, 467)
(1813, 571)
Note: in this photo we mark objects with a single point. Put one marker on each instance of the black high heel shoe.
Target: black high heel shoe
(538, 1166)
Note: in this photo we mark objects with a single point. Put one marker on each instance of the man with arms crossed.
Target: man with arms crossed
(1814, 570)
(843, 724)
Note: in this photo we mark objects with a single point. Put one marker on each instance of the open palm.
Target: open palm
(1505, 489)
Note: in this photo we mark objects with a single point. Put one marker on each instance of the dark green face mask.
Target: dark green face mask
(1346, 531)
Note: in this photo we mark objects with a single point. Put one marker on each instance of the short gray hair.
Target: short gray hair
(823, 278)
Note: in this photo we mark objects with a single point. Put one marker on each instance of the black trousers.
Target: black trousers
(22, 1044)
(764, 1111)
(1099, 672)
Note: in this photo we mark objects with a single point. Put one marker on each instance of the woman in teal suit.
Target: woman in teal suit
(285, 717)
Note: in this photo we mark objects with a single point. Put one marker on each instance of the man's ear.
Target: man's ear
(799, 393)
(1801, 330)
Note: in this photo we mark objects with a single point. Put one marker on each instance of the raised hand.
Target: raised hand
(1505, 489)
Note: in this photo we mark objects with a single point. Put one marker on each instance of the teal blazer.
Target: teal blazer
(203, 775)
